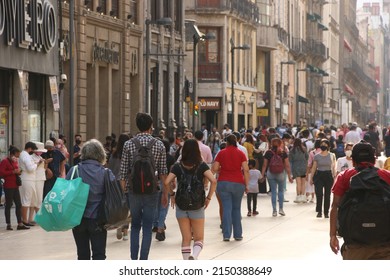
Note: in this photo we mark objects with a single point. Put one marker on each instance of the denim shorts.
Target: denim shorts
(190, 214)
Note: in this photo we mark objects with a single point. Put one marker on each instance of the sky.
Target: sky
(360, 2)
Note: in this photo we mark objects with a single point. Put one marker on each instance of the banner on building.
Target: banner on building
(23, 78)
(54, 93)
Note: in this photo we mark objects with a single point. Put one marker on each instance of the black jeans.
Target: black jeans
(12, 195)
(89, 234)
(323, 180)
(249, 198)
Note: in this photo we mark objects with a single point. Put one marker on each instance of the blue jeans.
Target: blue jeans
(142, 209)
(277, 184)
(231, 196)
(161, 213)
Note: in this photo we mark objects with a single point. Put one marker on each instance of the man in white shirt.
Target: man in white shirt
(226, 131)
(353, 135)
(344, 163)
(205, 150)
(241, 147)
(358, 129)
(27, 189)
(305, 140)
(205, 133)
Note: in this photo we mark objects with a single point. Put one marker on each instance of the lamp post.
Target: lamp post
(148, 22)
(71, 79)
(232, 49)
(290, 62)
(323, 99)
(197, 37)
(297, 94)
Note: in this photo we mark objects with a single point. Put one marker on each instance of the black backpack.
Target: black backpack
(190, 194)
(364, 212)
(143, 177)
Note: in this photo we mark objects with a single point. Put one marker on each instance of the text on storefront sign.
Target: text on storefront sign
(30, 24)
(105, 53)
(210, 104)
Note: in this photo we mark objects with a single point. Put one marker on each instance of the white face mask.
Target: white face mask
(348, 153)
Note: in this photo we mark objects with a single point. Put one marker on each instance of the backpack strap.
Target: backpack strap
(151, 143)
(136, 142)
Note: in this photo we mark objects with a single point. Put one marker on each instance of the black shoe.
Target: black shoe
(21, 227)
(160, 236)
(319, 215)
(154, 229)
(9, 227)
(28, 224)
(326, 216)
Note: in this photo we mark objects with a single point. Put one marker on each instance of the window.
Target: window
(103, 6)
(209, 61)
(178, 15)
(154, 9)
(115, 7)
(133, 11)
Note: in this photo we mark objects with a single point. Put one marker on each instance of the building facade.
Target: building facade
(29, 72)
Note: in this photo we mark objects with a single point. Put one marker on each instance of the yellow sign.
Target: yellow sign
(262, 112)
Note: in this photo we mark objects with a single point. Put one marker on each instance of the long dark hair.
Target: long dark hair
(190, 153)
(119, 146)
(231, 140)
(298, 145)
(13, 150)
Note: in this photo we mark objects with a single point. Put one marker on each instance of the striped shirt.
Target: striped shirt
(158, 151)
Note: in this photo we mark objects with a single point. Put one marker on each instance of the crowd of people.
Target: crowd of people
(231, 164)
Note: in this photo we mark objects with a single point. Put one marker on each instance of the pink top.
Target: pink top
(205, 151)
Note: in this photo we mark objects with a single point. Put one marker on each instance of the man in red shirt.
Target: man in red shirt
(363, 156)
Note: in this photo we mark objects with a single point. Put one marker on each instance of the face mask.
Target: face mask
(78, 142)
(30, 153)
(323, 148)
(348, 153)
(38, 153)
(58, 146)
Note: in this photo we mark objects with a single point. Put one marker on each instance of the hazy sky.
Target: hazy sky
(360, 2)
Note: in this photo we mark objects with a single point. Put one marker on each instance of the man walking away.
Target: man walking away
(143, 157)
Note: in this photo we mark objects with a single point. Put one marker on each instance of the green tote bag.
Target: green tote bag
(63, 207)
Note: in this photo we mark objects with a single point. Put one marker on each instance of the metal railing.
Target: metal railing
(209, 72)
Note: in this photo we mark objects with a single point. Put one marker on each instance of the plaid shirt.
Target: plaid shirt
(158, 151)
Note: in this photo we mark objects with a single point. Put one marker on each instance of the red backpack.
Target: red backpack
(276, 164)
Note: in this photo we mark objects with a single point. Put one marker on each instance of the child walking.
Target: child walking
(253, 188)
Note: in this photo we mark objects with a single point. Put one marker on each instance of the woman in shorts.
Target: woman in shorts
(298, 158)
(191, 222)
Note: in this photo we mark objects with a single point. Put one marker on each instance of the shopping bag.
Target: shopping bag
(64, 206)
(115, 211)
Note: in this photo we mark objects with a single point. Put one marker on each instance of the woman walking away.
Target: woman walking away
(298, 158)
(91, 234)
(232, 182)
(276, 160)
(191, 222)
(253, 188)
(323, 171)
(114, 164)
(9, 170)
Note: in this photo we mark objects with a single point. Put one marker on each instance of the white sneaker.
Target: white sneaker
(297, 199)
(125, 237)
(312, 200)
(303, 198)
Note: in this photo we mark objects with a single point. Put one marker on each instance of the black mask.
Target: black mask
(323, 148)
(30, 153)
(78, 142)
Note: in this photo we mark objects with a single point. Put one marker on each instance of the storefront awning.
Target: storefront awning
(303, 99)
(348, 89)
(347, 45)
(321, 26)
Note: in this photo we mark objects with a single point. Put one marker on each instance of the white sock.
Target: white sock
(186, 252)
(198, 246)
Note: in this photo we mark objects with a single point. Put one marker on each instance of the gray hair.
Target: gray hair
(94, 150)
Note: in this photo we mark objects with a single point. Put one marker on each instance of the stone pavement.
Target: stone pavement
(297, 236)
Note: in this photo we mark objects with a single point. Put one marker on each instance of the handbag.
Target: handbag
(18, 179)
(114, 211)
(64, 206)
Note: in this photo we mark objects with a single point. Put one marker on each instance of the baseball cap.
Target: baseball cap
(363, 151)
(49, 144)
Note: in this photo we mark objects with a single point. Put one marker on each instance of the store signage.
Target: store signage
(29, 24)
(210, 103)
(105, 53)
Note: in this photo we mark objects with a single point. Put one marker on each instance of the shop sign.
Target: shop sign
(29, 24)
(54, 93)
(105, 53)
(262, 112)
(210, 104)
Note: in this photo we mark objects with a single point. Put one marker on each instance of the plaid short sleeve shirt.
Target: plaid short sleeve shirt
(158, 151)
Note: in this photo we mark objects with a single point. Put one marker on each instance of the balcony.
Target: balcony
(283, 36)
(209, 72)
(267, 37)
(318, 49)
(243, 8)
(298, 48)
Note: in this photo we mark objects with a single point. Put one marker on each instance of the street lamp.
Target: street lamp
(290, 62)
(197, 37)
(323, 100)
(148, 22)
(297, 94)
(232, 49)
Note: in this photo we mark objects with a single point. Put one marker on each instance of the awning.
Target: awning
(317, 16)
(348, 89)
(311, 17)
(303, 99)
(347, 45)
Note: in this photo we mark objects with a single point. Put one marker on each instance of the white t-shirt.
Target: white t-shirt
(352, 136)
(28, 166)
(253, 184)
(343, 164)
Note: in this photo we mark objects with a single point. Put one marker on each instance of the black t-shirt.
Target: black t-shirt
(203, 167)
(170, 161)
(54, 166)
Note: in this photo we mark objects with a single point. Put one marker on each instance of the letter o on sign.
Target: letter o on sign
(50, 26)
